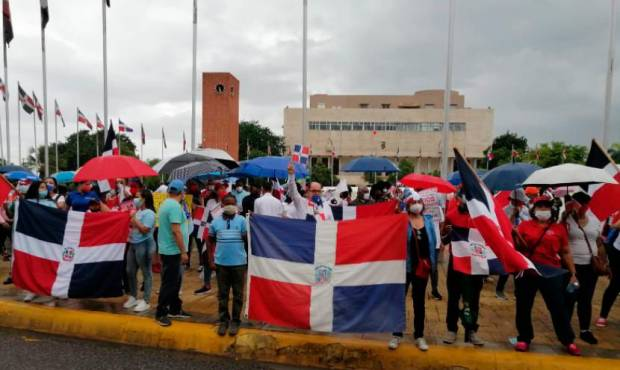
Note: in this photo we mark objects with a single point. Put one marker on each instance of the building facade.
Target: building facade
(220, 112)
(343, 127)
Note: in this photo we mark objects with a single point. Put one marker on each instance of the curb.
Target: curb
(276, 347)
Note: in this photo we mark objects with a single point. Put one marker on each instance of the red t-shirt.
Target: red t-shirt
(547, 252)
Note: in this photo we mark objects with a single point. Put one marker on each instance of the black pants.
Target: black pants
(583, 297)
(435, 273)
(230, 277)
(613, 289)
(418, 294)
(169, 301)
(553, 291)
(199, 243)
(467, 287)
(501, 282)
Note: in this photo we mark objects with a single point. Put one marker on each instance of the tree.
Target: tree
(405, 166)
(152, 182)
(321, 174)
(614, 152)
(551, 154)
(503, 146)
(259, 139)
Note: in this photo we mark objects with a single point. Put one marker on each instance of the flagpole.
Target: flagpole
(36, 148)
(96, 139)
(447, 95)
(56, 135)
(304, 79)
(610, 74)
(19, 131)
(141, 141)
(77, 135)
(105, 66)
(195, 31)
(45, 141)
(6, 106)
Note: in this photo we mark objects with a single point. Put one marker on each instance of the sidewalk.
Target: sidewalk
(104, 319)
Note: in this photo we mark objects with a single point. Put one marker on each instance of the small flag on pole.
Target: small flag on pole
(490, 154)
(45, 14)
(38, 107)
(184, 142)
(59, 113)
(99, 122)
(142, 134)
(301, 154)
(3, 89)
(81, 118)
(26, 100)
(6, 22)
(163, 138)
(122, 127)
(107, 3)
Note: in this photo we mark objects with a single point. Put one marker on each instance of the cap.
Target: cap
(542, 199)
(175, 186)
(531, 191)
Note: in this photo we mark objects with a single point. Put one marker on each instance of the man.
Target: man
(249, 201)
(313, 207)
(363, 197)
(267, 204)
(172, 236)
(228, 235)
(239, 193)
(81, 199)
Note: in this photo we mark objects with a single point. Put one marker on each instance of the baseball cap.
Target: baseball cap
(175, 186)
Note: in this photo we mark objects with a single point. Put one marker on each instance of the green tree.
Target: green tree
(259, 139)
(556, 152)
(405, 166)
(614, 152)
(502, 148)
(321, 174)
(153, 182)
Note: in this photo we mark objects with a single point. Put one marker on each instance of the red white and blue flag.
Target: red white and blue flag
(58, 113)
(38, 106)
(340, 213)
(605, 197)
(99, 122)
(301, 154)
(346, 276)
(491, 223)
(122, 127)
(72, 254)
(81, 118)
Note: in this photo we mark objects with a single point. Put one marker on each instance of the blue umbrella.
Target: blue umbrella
(455, 177)
(64, 177)
(268, 167)
(370, 164)
(508, 176)
(21, 175)
(12, 167)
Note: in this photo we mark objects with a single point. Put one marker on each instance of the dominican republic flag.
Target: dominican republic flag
(490, 221)
(142, 134)
(3, 89)
(163, 139)
(301, 154)
(26, 100)
(364, 211)
(99, 122)
(605, 197)
(471, 255)
(110, 147)
(346, 276)
(72, 254)
(122, 127)
(59, 113)
(7, 24)
(38, 106)
(81, 118)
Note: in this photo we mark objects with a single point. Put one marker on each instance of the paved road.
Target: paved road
(21, 350)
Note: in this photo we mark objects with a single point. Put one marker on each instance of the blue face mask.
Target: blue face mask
(316, 199)
(137, 202)
(42, 194)
(50, 187)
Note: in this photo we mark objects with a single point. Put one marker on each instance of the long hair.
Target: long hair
(147, 195)
(33, 191)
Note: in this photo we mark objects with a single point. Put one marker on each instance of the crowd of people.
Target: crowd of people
(570, 247)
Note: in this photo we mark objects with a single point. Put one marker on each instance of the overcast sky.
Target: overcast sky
(540, 64)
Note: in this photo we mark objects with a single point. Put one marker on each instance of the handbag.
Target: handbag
(423, 267)
(599, 266)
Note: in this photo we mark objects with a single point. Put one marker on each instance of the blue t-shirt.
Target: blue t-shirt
(239, 196)
(81, 201)
(170, 212)
(147, 218)
(230, 248)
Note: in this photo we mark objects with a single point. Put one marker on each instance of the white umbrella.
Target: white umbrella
(168, 164)
(569, 174)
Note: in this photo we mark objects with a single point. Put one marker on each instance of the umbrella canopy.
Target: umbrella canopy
(167, 165)
(370, 164)
(455, 177)
(569, 174)
(21, 175)
(112, 167)
(64, 177)
(268, 167)
(508, 176)
(421, 182)
(196, 169)
(12, 167)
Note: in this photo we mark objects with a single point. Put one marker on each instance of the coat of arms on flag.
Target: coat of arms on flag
(301, 154)
(346, 276)
(72, 254)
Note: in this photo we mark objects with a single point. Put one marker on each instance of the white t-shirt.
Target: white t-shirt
(268, 205)
(577, 241)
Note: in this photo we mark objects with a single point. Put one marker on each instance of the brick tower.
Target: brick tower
(220, 112)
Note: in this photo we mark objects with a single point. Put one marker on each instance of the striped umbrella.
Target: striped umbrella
(196, 169)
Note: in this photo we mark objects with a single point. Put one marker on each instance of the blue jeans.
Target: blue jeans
(140, 255)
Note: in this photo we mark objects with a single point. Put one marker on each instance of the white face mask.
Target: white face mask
(230, 210)
(542, 215)
(366, 196)
(239, 189)
(416, 208)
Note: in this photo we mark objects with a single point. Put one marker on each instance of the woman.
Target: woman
(421, 241)
(52, 188)
(584, 240)
(613, 252)
(140, 252)
(545, 243)
(80, 200)
(214, 209)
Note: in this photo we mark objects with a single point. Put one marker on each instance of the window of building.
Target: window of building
(321, 105)
(313, 125)
(379, 126)
(429, 105)
(390, 126)
(369, 126)
(335, 126)
(358, 126)
(385, 106)
(323, 126)
(232, 91)
(219, 89)
(457, 126)
(346, 126)
(363, 105)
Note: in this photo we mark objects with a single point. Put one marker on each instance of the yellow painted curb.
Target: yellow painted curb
(278, 347)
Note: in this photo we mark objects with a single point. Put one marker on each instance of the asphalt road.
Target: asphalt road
(27, 350)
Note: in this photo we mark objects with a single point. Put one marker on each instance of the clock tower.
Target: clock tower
(220, 112)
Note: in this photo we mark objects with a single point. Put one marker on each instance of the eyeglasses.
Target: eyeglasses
(315, 191)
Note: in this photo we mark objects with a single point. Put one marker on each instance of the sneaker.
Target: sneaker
(436, 296)
(180, 315)
(202, 291)
(394, 342)
(164, 321)
(222, 328)
(573, 350)
(522, 347)
(450, 337)
(141, 306)
(234, 328)
(499, 294)
(8, 281)
(588, 337)
(131, 302)
(29, 297)
(473, 339)
(421, 344)
(601, 322)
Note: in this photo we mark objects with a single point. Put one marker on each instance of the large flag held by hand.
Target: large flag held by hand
(605, 197)
(490, 220)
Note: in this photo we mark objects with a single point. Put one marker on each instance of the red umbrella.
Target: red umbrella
(420, 182)
(113, 167)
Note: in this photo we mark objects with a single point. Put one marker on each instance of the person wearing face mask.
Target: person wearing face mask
(584, 241)
(545, 243)
(421, 240)
(80, 199)
(140, 252)
(249, 201)
(228, 235)
(239, 192)
(267, 204)
(52, 188)
(313, 207)
(363, 197)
